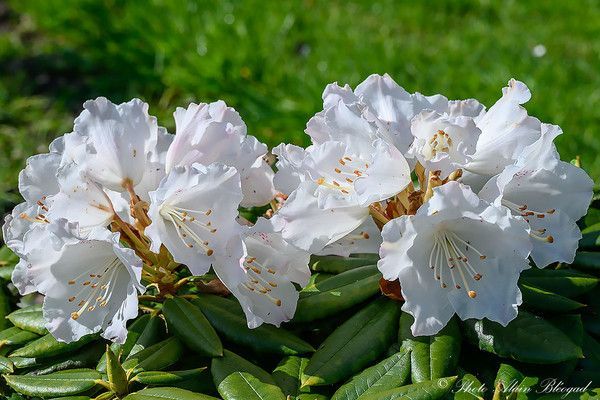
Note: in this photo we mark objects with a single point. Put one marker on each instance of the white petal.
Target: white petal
(311, 228)
(118, 140)
(80, 199)
(388, 175)
(257, 184)
(467, 108)
(194, 212)
(21, 279)
(506, 130)
(38, 179)
(289, 167)
(366, 239)
(565, 239)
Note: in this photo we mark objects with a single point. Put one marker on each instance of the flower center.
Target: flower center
(259, 279)
(447, 260)
(440, 142)
(540, 234)
(185, 220)
(95, 289)
(346, 172)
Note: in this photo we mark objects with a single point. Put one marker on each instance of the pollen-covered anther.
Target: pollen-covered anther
(74, 315)
(550, 239)
(472, 294)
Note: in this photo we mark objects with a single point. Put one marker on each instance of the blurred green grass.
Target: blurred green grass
(272, 59)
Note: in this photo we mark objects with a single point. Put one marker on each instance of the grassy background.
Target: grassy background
(272, 59)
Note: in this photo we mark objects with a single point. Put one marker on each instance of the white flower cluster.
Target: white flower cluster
(119, 204)
(453, 197)
(489, 192)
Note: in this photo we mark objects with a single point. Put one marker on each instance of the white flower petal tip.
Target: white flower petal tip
(260, 269)
(506, 130)
(117, 141)
(90, 282)
(366, 239)
(458, 254)
(209, 133)
(194, 212)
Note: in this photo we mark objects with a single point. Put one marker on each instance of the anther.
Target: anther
(472, 294)
(74, 315)
(71, 282)
(339, 171)
(365, 235)
(273, 284)
(477, 277)
(550, 239)
(540, 216)
(208, 212)
(71, 299)
(551, 211)
(209, 252)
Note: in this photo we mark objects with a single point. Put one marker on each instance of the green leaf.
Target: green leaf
(565, 282)
(84, 358)
(6, 365)
(156, 357)
(540, 299)
(161, 378)
(337, 293)
(189, 324)
(237, 378)
(337, 264)
(242, 385)
(122, 350)
(390, 373)
(591, 237)
(354, 345)
(587, 260)
(29, 319)
(62, 383)
(167, 393)
(48, 346)
(117, 377)
(527, 338)
(151, 334)
(228, 319)
(222, 367)
(5, 305)
(427, 390)
(288, 373)
(432, 357)
(16, 336)
(514, 384)
(469, 388)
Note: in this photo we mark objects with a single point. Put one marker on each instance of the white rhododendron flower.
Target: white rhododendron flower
(364, 239)
(194, 212)
(260, 269)
(457, 254)
(117, 141)
(550, 194)
(207, 133)
(90, 282)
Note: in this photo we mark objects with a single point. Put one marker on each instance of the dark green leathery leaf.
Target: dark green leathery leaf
(151, 333)
(156, 357)
(432, 357)
(167, 393)
(29, 319)
(62, 383)
(237, 378)
(227, 317)
(6, 365)
(189, 324)
(122, 350)
(527, 338)
(565, 282)
(588, 260)
(161, 378)
(48, 346)
(513, 382)
(543, 300)
(390, 373)
(83, 358)
(243, 385)
(288, 373)
(337, 264)
(426, 390)
(337, 293)
(230, 362)
(14, 336)
(354, 345)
